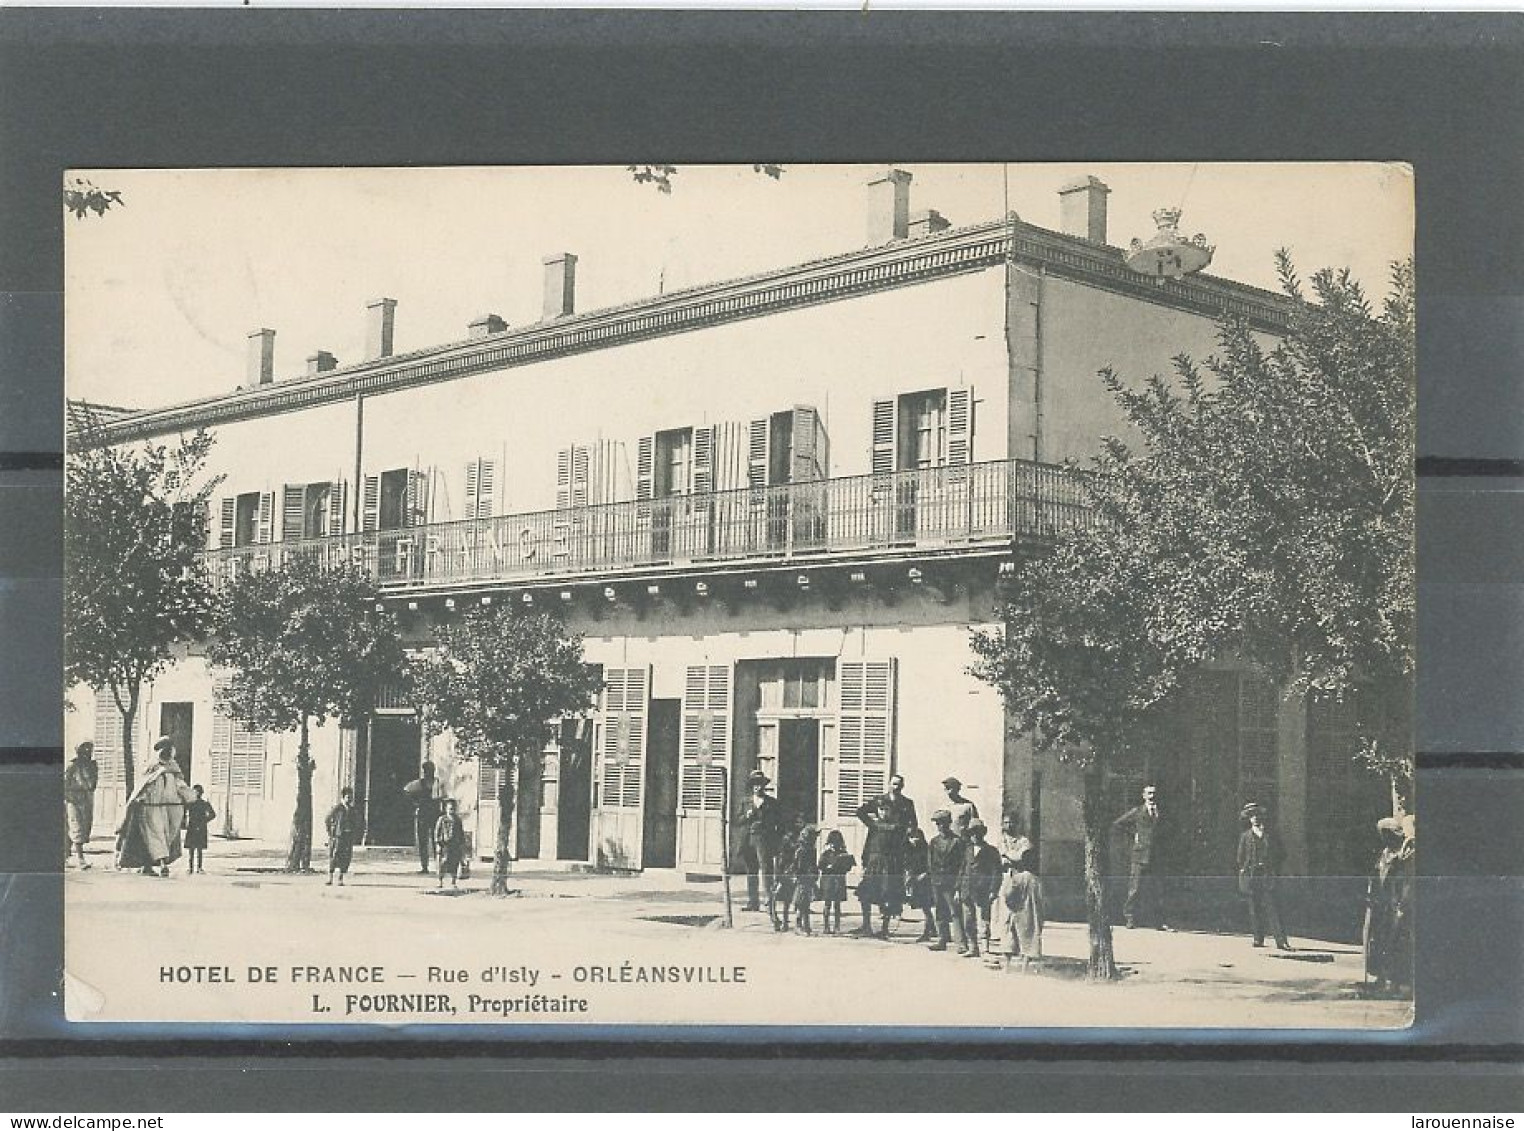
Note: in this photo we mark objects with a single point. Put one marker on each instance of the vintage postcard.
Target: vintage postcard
(969, 596)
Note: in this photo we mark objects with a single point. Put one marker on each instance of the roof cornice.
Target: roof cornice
(902, 263)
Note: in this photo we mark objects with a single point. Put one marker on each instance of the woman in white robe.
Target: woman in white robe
(149, 835)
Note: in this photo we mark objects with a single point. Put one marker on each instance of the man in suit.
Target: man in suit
(1150, 831)
(759, 832)
(899, 808)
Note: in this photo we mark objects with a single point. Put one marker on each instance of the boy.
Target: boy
(198, 815)
(978, 886)
(944, 853)
(449, 843)
(343, 825)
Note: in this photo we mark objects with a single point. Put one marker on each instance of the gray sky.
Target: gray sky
(162, 293)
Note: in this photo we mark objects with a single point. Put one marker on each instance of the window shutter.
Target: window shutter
(292, 516)
(370, 504)
(227, 522)
(108, 739)
(417, 498)
(481, 489)
(573, 467)
(758, 440)
(810, 446)
(884, 435)
(705, 738)
(645, 467)
(624, 737)
(337, 507)
(865, 738)
(703, 460)
(960, 426)
(266, 517)
(488, 780)
(222, 737)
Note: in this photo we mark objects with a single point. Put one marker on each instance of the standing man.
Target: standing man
(899, 808)
(759, 828)
(80, 779)
(421, 791)
(343, 825)
(1259, 863)
(1150, 836)
(963, 811)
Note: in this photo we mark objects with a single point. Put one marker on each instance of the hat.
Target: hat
(1253, 809)
(976, 823)
(164, 742)
(952, 783)
(758, 776)
(1389, 825)
(941, 815)
(83, 746)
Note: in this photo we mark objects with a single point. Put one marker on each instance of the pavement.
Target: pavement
(248, 942)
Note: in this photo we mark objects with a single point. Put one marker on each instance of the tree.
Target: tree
(1287, 475)
(497, 679)
(134, 583)
(305, 642)
(661, 175)
(81, 196)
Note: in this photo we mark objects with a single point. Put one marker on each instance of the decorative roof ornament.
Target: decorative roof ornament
(1169, 255)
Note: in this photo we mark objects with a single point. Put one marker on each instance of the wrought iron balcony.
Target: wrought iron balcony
(908, 513)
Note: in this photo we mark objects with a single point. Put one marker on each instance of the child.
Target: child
(978, 886)
(343, 825)
(449, 843)
(835, 863)
(944, 862)
(782, 900)
(806, 876)
(918, 883)
(1024, 912)
(198, 815)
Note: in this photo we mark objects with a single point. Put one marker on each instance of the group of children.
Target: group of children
(959, 882)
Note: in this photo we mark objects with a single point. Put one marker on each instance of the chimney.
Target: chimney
(261, 363)
(381, 315)
(321, 362)
(560, 285)
(888, 207)
(484, 324)
(927, 222)
(1082, 209)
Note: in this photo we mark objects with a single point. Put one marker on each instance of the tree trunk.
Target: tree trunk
(502, 854)
(129, 720)
(300, 857)
(1103, 966)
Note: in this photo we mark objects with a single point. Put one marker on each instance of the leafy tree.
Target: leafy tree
(305, 643)
(81, 196)
(661, 175)
(497, 680)
(134, 584)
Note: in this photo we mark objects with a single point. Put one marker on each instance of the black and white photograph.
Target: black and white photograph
(956, 596)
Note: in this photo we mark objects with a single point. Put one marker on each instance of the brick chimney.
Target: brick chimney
(321, 362)
(1082, 209)
(888, 207)
(927, 222)
(560, 286)
(380, 318)
(485, 324)
(261, 358)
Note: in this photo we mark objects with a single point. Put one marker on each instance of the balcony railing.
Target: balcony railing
(932, 510)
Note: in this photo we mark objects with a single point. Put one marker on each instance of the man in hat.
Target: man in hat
(1388, 908)
(422, 792)
(149, 836)
(946, 855)
(1259, 862)
(759, 834)
(80, 779)
(963, 811)
(1150, 833)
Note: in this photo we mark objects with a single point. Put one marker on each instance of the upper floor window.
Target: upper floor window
(246, 519)
(674, 462)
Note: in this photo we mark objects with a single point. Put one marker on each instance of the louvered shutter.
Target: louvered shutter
(865, 735)
(417, 498)
(337, 507)
(885, 435)
(705, 738)
(808, 462)
(481, 489)
(222, 737)
(228, 522)
(703, 460)
(960, 427)
(108, 740)
(758, 452)
(266, 517)
(645, 467)
(572, 477)
(624, 737)
(370, 504)
(293, 519)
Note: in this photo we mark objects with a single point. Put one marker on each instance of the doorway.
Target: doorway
(663, 736)
(574, 799)
(175, 723)
(395, 754)
(799, 769)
